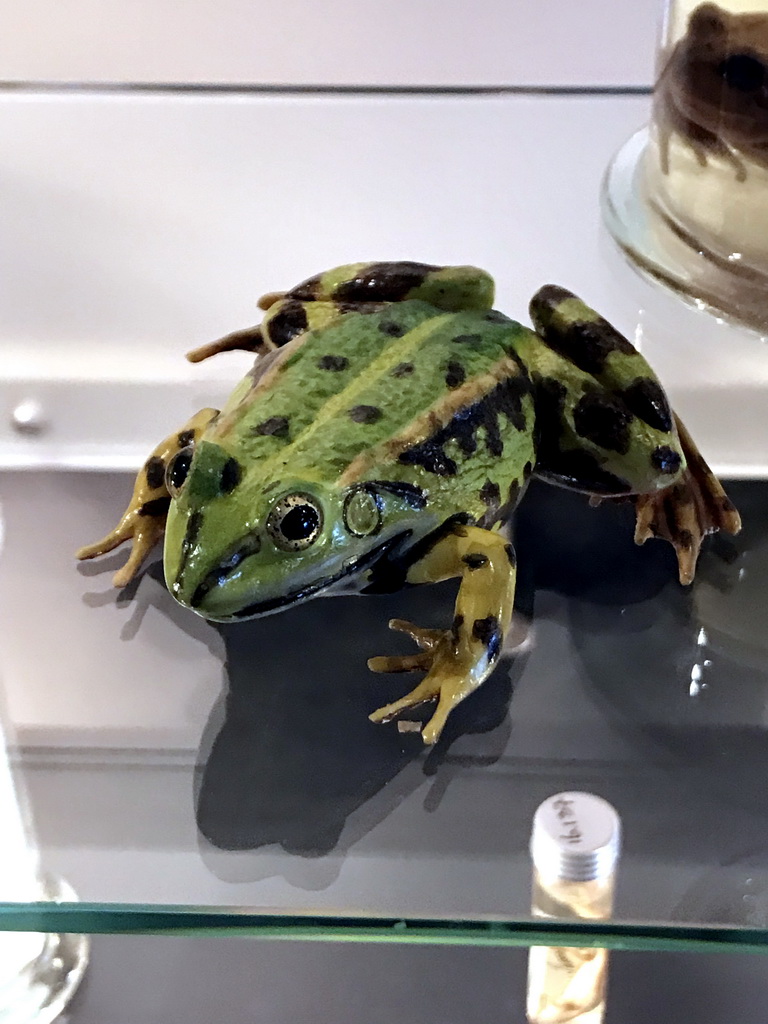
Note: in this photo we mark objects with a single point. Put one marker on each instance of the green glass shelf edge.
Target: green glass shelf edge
(99, 918)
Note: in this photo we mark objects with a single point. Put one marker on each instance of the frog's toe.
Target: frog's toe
(400, 663)
(143, 532)
(447, 689)
(427, 639)
(428, 689)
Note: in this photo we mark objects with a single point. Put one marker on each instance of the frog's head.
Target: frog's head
(238, 545)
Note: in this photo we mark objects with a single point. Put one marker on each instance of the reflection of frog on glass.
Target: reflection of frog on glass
(388, 429)
(713, 89)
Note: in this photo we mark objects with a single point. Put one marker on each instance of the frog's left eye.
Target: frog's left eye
(295, 522)
(177, 471)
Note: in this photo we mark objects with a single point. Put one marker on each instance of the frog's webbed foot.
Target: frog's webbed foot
(459, 659)
(143, 530)
(143, 522)
(448, 681)
(686, 512)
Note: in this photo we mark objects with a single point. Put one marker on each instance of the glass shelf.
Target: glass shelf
(195, 779)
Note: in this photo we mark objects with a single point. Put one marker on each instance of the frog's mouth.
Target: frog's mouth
(304, 593)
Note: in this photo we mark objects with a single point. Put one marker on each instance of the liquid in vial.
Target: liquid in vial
(574, 846)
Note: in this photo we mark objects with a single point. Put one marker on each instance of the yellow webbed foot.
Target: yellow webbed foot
(459, 659)
(143, 522)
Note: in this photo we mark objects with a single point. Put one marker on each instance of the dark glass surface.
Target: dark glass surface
(296, 815)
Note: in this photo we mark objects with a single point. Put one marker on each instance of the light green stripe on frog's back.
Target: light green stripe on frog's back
(411, 380)
(267, 413)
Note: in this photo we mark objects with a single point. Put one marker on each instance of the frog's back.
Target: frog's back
(400, 391)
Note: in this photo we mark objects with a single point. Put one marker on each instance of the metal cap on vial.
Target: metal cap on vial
(576, 837)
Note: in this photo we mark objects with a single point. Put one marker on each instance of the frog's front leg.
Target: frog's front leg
(458, 659)
(143, 522)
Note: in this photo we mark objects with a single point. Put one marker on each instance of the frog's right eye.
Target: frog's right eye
(177, 471)
(295, 522)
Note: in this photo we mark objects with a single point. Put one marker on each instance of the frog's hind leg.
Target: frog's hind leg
(610, 431)
(459, 659)
(448, 288)
(143, 522)
(687, 511)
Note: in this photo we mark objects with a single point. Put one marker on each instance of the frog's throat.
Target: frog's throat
(311, 590)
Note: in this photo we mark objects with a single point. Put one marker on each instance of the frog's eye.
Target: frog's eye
(743, 72)
(177, 471)
(295, 522)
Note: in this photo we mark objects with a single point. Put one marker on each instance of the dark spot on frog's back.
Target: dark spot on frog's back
(393, 330)
(333, 363)
(666, 459)
(403, 370)
(287, 323)
(603, 419)
(155, 472)
(455, 374)
(275, 426)
(365, 414)
(467, 339)
(646, 399)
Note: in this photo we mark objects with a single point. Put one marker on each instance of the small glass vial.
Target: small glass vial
(575, 848)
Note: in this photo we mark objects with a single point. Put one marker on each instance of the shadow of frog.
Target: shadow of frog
(291, 758)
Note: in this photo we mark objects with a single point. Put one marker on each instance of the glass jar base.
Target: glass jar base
(41, 990)
(665, 252)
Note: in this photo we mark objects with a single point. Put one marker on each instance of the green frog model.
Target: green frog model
(387, 430)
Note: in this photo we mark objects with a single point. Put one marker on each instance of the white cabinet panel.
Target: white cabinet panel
(137, 227)
(339, 42)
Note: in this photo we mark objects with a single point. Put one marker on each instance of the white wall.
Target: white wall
(338, 42)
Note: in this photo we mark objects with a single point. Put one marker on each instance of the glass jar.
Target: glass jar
(687, 198)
